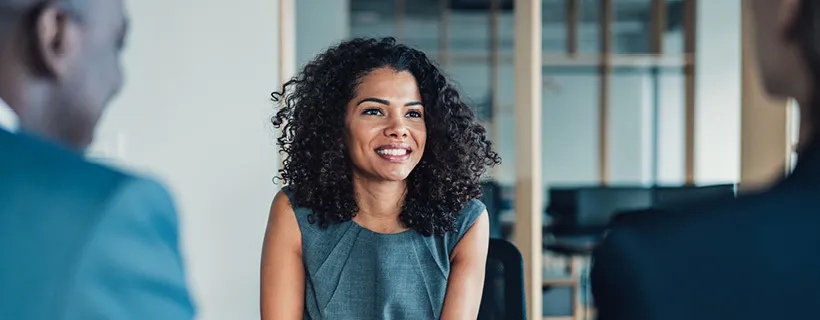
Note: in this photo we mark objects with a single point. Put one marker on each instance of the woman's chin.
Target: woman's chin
(392, 173)
(395, 178)
(395, 175)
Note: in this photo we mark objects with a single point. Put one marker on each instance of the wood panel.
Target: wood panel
(658, 26)
(603, 102)
(529, 188)
(443, 32)
(495, 105)
(690, 34)
(573, 16)
(400, 10)
(287, 48)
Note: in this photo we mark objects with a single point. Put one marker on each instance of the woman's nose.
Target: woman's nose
(396, 129)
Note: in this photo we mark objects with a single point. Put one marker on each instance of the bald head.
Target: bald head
(32, 3)
(60, 64)
(14, 10)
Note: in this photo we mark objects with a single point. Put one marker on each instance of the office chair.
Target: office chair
(503, 297)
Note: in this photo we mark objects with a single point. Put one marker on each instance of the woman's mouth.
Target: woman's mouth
(394, 153)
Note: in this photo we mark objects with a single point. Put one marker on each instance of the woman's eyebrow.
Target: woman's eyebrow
(376, 100)
(387, 103)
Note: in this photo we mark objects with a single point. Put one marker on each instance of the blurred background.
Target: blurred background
(596, 107)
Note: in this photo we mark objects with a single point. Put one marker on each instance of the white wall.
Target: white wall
(194, 113)
(717, 90)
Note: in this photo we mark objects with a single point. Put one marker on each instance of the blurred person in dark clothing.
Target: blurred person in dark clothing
(754, 257)
(77, 240)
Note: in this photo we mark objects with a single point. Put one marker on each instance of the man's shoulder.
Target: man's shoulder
(27, 159)
(667, 256)
(723, 221)
(43, 177)
(694, 214)
(53, 204)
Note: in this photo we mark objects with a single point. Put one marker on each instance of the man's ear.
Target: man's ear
(787, 15)
(55, 40)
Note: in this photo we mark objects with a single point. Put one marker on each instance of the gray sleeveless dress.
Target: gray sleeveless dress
(354, 273)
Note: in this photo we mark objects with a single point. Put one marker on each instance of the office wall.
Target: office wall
(718, 54)
(194, 113)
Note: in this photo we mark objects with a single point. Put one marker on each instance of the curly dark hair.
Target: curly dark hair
(317, 166)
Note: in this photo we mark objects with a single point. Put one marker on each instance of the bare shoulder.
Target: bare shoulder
(282, 271)
(480, 231)
(475, 242)
(283, 228)
(482, 223)
(473, 211)
(281, 206)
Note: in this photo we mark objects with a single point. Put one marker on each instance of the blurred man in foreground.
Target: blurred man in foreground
(77, 240)
(755, 257)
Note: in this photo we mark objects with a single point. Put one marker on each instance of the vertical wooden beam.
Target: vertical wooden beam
(576, 267)
(400, 10)
(529, 189)
(658, 26)
(287, 48)
(443, 32)
(573, 15)
(494, 47)
(603, 98)
(690, 34)
(287, 40)
(765, 140)
(494, 58)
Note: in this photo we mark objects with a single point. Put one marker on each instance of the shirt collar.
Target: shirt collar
(8, 118)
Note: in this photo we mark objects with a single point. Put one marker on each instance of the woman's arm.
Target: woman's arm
(283, 274)
(467, 265)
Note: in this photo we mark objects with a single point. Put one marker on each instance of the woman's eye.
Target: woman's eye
(372, 112)
(415, 114)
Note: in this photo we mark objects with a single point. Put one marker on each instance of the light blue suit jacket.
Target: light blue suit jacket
(79, 241)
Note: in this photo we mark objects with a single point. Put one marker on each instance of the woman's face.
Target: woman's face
(385, 125)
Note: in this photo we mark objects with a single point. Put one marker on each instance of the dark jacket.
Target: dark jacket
(754, 257)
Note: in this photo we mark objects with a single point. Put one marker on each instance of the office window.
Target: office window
(617, 88)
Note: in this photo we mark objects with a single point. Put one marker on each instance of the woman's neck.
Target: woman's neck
(379, 200)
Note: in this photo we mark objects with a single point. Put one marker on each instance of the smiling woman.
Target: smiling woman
(380, 217)
(386, 132)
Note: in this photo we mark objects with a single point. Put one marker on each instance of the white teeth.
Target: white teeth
(392, 152)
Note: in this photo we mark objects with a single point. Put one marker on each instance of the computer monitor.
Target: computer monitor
(592, 208)
(668, 197)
